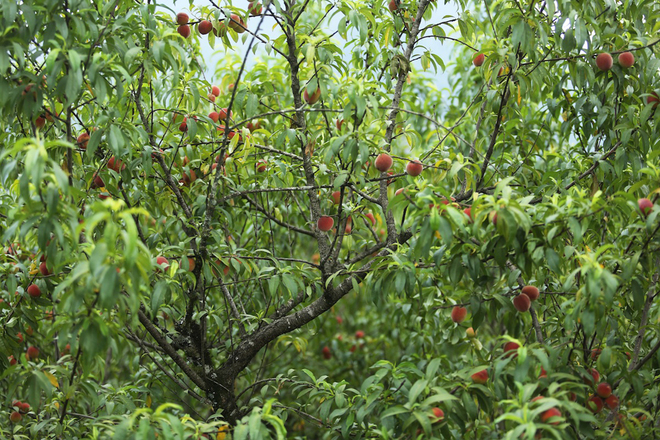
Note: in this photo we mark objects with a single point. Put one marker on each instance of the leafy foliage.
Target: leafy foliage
(161, 248)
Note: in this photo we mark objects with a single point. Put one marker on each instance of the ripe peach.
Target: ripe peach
(82, 140)
(204, 27)
(531, 291)
(339, 124)
(645, 205)
(34, 291)
(612, 401)
(12, 360)
(32, 353)
(383, 162)
(220, 29)
(191, 264)
(182, 18)
(414, 168)
(253, 125)
(393, 5)
(511, 349)
(522, 302)
(313, 98)
(371, 218)
(438, 415)
(215, 91)
(336, 196)
(458, 314)
(595, 404)
(255, 8)
(15, 417)
(468, 212)
(162, 262)
(222, 114)
(189, 177)
(348, 227)
(214, 116)
(44, 269)
(236, 23)
(261, 166)
(359, 334)
(549, 414)
(327, 354)
(653, 99)
(116, 165)
(40, 122)
(184, 30)
(97, 182)
(626, 59)
(604, 390)
(480, 377)
(593, 378)
(325, 223)
(604, 61)
(478, 60)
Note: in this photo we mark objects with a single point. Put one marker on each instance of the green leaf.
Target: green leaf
(416, 390)
(109, 288)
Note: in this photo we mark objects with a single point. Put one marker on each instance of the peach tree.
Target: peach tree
(303, 236)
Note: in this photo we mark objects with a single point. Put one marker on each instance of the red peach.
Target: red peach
(604, 61)
(604, 390)
(32, 353)
(531, 291)
(626, 59)
(82, 140)
(325, 223)
(184, 30)
(458, 314)
(383, 162)
(511, 349)
(549, 414)
(313, 98)
(645, 205)
(34, 291)
(480, 377)
(438, 415)
(522, 303)
(182, 18)
(204, 27)
(414, 168)
(612, 401)
(595, 404)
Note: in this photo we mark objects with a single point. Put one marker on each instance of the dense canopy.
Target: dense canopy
(299, 235)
